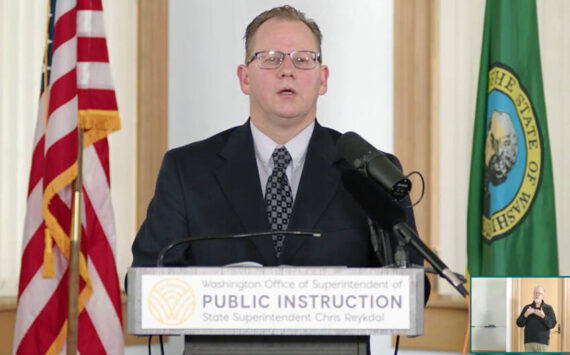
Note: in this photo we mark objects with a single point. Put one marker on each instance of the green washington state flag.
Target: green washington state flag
(511, 222)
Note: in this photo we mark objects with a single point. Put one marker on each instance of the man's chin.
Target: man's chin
(294, 119)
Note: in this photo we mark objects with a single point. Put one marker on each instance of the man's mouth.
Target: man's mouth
(287, 92)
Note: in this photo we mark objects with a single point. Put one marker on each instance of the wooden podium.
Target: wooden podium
(275, 310)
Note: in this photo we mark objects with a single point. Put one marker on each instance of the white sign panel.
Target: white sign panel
(271, 302)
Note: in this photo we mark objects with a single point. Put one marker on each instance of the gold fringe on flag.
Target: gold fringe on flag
(98, 124)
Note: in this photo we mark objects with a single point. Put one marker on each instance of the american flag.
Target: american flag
(77, 93)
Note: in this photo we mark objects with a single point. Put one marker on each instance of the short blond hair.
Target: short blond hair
(285, 12)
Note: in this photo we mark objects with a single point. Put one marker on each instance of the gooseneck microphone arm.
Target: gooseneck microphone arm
(166, 249)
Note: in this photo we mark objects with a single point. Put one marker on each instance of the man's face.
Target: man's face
(538, 294)
(286, 96)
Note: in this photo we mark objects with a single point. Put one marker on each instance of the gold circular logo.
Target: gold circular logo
(172, 301)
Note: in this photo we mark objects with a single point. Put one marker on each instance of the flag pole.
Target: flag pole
(74, 253)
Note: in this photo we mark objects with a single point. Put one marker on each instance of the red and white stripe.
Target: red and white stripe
(80, 83)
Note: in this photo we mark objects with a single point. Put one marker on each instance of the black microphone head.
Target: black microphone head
(352, 148)
(362, 155)
(377, 204)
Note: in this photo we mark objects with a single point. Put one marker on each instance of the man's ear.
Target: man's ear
(243, 76)
(324, 79)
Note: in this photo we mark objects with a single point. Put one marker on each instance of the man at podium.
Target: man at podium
(279, 171)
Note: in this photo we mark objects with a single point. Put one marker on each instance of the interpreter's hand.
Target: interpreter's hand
(528, 311)
(540, 313)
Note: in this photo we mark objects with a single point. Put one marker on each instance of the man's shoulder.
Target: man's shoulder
(216, 140)
(205, 148)
(335, 135)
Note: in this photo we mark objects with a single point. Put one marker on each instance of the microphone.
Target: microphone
(166, 249)
(362, 155)
(381, 208)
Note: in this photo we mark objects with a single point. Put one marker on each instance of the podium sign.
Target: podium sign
(275, 301)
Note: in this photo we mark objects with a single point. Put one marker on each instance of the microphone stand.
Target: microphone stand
(407, 235)
(166, 249)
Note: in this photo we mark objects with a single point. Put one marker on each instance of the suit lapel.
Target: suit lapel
(239, 179)
(319, 182)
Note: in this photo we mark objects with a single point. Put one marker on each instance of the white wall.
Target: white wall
(489, 307)
(206, 46)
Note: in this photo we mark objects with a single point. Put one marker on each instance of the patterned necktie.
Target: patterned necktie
(278, 197)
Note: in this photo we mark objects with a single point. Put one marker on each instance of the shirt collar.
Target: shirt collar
(297, 146)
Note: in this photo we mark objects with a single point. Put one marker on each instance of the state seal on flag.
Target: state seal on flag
(513, 154)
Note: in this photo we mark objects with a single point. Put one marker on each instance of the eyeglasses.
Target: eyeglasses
(274, 59)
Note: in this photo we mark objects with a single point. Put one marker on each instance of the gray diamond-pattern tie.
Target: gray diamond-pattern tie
(278, 197)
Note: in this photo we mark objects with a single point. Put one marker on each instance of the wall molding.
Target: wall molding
(152, 99)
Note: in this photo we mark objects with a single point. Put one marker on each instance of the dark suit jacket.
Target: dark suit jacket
(212, 187)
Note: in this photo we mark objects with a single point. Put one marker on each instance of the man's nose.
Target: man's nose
(287, 68)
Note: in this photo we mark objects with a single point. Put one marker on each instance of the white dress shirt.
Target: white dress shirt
(297, 147)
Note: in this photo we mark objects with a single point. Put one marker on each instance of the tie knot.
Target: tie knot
(281, 158)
